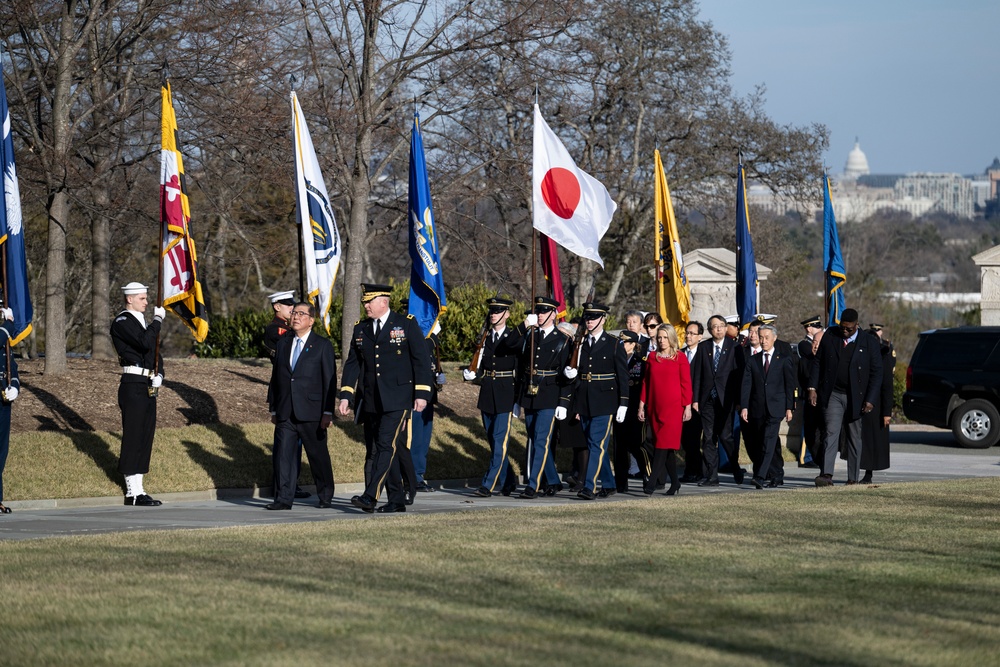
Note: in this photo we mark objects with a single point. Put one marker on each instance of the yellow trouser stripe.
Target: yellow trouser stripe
(545, 454)
(600, 461)
(506, 435)
(395, 435)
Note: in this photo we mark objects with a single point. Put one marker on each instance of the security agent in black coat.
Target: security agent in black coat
(142, 375)
(767, 396)
(9, 388)
(812, 416)
(844, 382)
(629, 437)
(875, 424)
(301, 398)
(716, 392)
(387, 373)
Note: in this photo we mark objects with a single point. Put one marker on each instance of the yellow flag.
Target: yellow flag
(673, 296)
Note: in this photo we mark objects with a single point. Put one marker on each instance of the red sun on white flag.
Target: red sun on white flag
(561, 191)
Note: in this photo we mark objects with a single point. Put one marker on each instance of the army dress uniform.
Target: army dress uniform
(11, 386)
(601, 397)
(543, 388)
(387, 369)
(497, 394)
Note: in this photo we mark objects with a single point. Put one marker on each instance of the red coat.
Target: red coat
(666, 389)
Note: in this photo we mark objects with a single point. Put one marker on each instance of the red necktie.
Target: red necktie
(767, 362)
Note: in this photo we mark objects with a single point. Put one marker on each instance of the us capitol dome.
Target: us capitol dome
(857, 163)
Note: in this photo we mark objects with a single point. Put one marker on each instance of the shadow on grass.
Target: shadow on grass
(248, 378)
(242, 463)
(63, 418)
(94, 446)
(202, 407)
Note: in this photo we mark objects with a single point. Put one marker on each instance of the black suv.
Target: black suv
(954, 381)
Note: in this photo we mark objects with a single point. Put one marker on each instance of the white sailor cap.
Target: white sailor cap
(134, 288)
(733, 319)
(287, 298)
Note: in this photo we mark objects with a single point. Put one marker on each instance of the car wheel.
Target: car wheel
(976, 424)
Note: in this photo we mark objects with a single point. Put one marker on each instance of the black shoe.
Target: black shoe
(867, 479)
(738, 475)
(553, 489)
(299, 493)
(775, 483)
(708, 482)
(508, 490)
(482, 492)
(407, 498)
(391, 507)
(606, 493)
(424, 487)
(364, 502)
(324, 504)
(578, 488)
(758, 482)
(142, 500)
(277, 506)
(673, 490)
(570, 480)
(824, 480)
(636, 475)
(527, 494)
(586, 494)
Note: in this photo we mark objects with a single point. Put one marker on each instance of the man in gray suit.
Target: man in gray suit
(301, 400)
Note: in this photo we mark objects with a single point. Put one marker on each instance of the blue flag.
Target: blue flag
(12, 233)
(833, 261)
(746, 265)
(427, 299)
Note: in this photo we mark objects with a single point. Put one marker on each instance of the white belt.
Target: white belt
(137, 370)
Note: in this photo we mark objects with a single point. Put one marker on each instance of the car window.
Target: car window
(966, 351)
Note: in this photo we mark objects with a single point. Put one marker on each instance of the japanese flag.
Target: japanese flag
(568, 205)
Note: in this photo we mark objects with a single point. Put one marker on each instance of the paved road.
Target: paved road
(918, 455)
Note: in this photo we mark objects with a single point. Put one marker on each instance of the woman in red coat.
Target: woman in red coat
(665, 405)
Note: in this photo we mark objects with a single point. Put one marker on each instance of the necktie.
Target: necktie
(767, 362)
(715, 357)
(296, 351)
(845, 342)
(496, 336)
(378, 328)
(592, 340)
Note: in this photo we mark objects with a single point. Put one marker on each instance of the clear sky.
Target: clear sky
(917, 81)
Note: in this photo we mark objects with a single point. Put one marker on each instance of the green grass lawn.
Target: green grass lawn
(905, 574)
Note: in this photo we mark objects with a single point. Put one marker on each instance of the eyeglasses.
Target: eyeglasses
(652, 326)
(692, 333)
(301, 313)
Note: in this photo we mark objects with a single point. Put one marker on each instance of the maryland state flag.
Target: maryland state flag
(673, 296)
(180, 290)
(15, 282)
(550, 267)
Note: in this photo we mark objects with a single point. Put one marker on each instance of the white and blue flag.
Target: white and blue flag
(15, 283)
(320, 239)
(427, 299)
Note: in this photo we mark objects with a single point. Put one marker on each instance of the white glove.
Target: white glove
(516, 411)
(441, 379)
(531, 320)
(10, 393)
(560, 413)
(156, 380)
(570, 372)
(159, 313)
(620, 415)
(8, 314)
(468, 375)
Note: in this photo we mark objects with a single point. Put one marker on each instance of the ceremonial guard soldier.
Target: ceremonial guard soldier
(422, 423)
(387, 374)
(601, 393)
(496, 362)
(10, 385)
(282, 303)
(545, 392)
(142, 375)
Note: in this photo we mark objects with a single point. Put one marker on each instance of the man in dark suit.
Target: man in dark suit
(767, 396)
(601, 394)
(844, 382)
(545, 392)
(387, 374)
(717, 380)
(300, 397)
(812, 416)
(691, 429)
(497, 366)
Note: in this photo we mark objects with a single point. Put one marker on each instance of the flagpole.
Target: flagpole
(826, 272)
(164, 83)
(298, 196)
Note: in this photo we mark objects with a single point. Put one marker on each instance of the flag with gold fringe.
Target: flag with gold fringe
(673, 295)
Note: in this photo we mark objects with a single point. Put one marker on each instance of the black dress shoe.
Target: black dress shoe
(758, 482)
(738, 475)
(586, 494)
(606, 493)
(508, 490)
(867, 479)
(482, 492)
(708, 482)
(277, 506)
(570, 480)
(324, 504)
(527, 494)
(424, 487)
(407, 498)
(553, 489)
(299, 493)
(364, 502)
(391, 507)
(673, 490)
(142, 500)
(775, 483)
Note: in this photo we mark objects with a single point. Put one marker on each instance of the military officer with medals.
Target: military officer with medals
(601, 396)
(497, 368)
(387, 374)
(545, 392)
(9, 388)
(142, 375)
